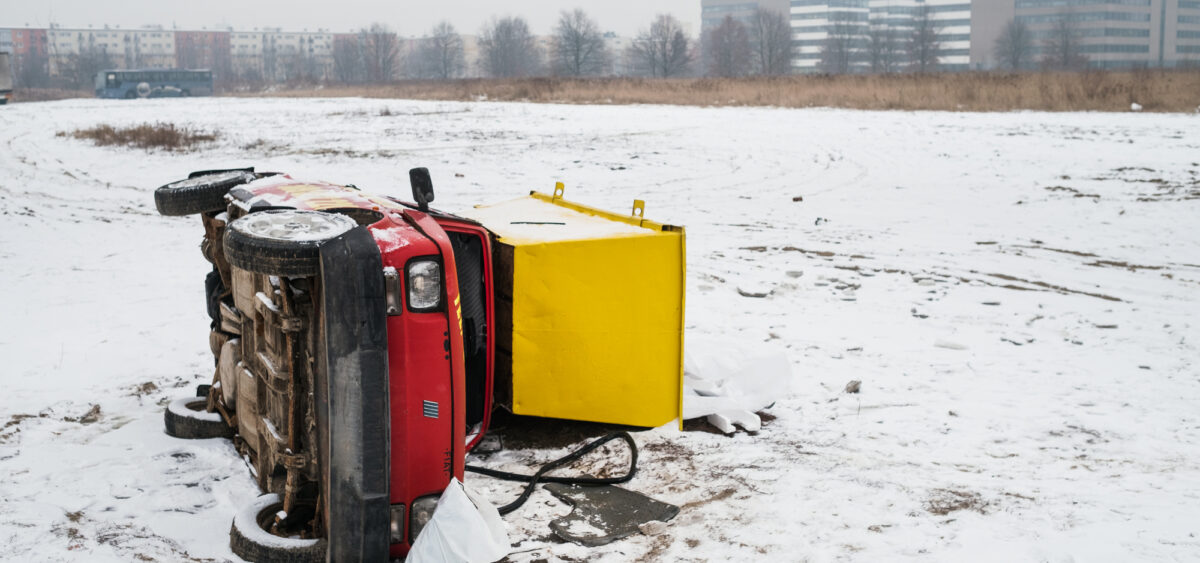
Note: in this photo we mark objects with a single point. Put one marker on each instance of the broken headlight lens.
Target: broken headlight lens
(422, 511)
(424, 285)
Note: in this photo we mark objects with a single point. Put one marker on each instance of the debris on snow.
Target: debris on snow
(729, 382)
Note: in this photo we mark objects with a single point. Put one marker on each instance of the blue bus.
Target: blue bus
(153, 83)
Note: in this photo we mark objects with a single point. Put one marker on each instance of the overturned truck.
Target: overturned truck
(362, 342)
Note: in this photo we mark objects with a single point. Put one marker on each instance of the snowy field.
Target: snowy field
(1019, 294)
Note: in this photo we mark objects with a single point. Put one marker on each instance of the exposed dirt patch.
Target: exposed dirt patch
(13, 426)
(1124, 265)
(945, 501)
(143, 389)
(92, 415)
(1052, 287)
(722, 495)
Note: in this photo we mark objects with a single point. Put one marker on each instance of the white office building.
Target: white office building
(817, 23)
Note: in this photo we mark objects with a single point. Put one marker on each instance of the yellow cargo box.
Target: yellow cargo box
(589, 311)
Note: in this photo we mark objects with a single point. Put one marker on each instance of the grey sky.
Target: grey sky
(409, 18)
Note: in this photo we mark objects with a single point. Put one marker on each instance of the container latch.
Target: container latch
(559, 190)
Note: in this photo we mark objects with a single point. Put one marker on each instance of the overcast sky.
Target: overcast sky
(407, 17)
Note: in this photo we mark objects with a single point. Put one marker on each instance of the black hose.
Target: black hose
(540, 476)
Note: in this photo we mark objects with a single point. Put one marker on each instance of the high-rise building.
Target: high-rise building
(1108, 33)
(1100, 33)
(712, 12)
(870, 35)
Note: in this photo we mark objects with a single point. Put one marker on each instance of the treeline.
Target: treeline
(507, 48)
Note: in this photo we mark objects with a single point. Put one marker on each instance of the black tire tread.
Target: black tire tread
(275, 258)
(200, 198)
(189, 428)
(248, 549)
(272, 256)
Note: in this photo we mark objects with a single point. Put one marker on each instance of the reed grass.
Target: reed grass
(1153, 90)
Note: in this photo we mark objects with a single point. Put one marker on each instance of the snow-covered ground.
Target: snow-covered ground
(1019, 294)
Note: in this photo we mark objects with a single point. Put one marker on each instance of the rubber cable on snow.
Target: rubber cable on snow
(540, 476)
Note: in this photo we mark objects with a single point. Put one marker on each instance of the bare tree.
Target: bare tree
(923, 41)
(349, 60)
(80, 69)
(728, 49)
(441, 55)
(32, 70)
(884, 50)
(663, 50)
(771, 48)
(381, 48)
(1014, 47)
(843, 43)
(508, 49)
(1062, 48)
(578, 45)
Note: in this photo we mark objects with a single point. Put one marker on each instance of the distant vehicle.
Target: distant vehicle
(160, 83)
(6, 79)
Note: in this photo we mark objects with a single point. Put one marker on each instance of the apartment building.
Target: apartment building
(202, 49)
(136, 48)
(276, 55)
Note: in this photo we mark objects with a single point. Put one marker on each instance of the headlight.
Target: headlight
(422, 511)
(424, 285)
(397, 526)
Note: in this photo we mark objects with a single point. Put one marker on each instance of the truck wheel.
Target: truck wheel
(282, 242)
(186, 418)
(198, 194)
(249, 539)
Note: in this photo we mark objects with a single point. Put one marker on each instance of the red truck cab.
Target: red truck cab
(436, 348)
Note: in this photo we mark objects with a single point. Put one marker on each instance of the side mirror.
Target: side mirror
(422, 187)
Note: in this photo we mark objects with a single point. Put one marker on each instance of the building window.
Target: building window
(1094, 32)
(1087, 17)
(1064, 3)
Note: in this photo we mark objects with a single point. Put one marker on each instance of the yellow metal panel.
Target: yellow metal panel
(598, 326)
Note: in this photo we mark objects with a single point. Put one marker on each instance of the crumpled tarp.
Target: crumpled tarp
(465, 528)
(728, 382)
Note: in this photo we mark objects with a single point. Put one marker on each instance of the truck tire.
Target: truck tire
(198, 194)
(249, 539)
(186, 418)
(282, 242)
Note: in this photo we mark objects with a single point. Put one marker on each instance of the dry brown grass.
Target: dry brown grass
(1159, 90)
(166, 136)
(48, 94)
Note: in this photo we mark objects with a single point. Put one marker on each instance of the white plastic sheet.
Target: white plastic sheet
(465, 528)
(728, 382)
